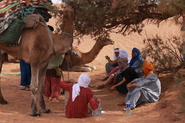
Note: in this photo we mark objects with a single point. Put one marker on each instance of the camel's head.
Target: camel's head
(105, 41)
(68, 14)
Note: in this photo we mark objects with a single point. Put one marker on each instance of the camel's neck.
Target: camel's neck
(68, 28)
(68, 19)
(91, 55)
(63, 42)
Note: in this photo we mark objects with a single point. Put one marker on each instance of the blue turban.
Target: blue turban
(137, 57)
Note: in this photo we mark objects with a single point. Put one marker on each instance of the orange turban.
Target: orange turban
(147, 68)
(148, 65)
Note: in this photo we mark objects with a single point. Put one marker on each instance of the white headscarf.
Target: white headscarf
(83, 81)
(123, 53)
(114, 54)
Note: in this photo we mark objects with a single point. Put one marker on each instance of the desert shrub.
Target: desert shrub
(180, 84)
(166, 55)
(178, 79)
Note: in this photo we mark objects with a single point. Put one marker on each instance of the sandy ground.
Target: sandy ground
(165, 111)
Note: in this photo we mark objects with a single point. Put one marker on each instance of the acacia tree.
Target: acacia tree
(99, 18)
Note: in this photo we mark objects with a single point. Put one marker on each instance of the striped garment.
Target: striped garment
(6, 20)
(9, 10)
(79, 108)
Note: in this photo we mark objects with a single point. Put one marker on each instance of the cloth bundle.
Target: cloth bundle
(9, 10)
(10, 23)
(8, 18)
(11, 17)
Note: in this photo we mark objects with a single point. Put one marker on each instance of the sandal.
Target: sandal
(100, 86)
(111, 89)
(124, 109)
(28, 86)
(121, 104)
(28, 89)
(105, 78)
(91, 86)
(23, 87)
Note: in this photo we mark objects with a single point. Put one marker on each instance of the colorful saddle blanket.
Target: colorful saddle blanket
(11, 14)
(12, 9)
(9, 10)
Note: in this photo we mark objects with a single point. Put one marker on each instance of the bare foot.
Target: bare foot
(50, 98)
(121, 103)
(46, 98)
(54, 100)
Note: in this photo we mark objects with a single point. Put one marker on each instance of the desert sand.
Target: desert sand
(166, 110)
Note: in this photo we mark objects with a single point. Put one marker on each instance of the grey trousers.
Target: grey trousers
(108, 68)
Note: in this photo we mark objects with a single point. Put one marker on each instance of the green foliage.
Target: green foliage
(174, 7)
(99, 18)
(165, 55)
(178, 79)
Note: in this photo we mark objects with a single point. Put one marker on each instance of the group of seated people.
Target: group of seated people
(135, 78)
(138, 87)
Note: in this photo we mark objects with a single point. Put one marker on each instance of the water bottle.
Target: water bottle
(128, 109)
(97, 112)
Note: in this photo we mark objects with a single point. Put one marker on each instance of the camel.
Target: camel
(77, 60)
(37, 48)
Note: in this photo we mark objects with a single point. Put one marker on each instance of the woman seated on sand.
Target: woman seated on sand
(144, 89)
(127, 74)
(79, 97)
(136, 61)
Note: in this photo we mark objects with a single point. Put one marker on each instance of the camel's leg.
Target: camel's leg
(2, 100)
(34, 87)
(42, 73)
(34, 106)
(2, 58)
